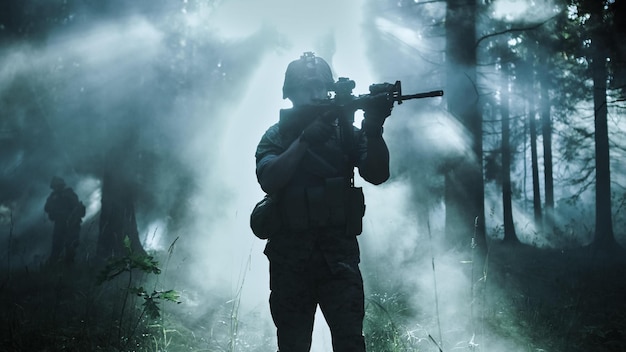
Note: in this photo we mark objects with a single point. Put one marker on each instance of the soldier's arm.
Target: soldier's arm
(374, 168)
(49, 207)
(276, 172)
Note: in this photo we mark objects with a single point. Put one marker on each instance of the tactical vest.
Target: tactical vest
(321, 193)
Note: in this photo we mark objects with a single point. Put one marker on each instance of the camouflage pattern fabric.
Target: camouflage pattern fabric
(315, 267)
(298, 290)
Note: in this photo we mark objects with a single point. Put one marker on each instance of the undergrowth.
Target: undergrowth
(529, 300)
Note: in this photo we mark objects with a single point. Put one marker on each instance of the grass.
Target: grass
(565, 300)
(527, 299)
(533, 299)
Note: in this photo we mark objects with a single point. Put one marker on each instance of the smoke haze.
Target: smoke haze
(184, 91)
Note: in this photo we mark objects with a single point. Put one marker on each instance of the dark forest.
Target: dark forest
(502, 227)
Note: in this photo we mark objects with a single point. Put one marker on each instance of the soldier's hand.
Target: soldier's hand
(377, 109)
(379, 105)
(318, 132)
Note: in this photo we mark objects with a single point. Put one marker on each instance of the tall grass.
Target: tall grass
(59, 307)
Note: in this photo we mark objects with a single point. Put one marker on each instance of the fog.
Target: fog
(186, 89)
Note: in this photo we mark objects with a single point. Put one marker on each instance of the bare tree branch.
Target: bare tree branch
(511, 30)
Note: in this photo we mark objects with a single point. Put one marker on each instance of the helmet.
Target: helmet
(57, 183)
(306, 69)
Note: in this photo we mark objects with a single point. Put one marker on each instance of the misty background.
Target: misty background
(173, 97)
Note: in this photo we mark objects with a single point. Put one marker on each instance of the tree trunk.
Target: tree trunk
(529, 70)
(117, 216)
(546, 129)
(604, 237)
(464, 187)
(532, 125)
(618, 44)
(507, 206)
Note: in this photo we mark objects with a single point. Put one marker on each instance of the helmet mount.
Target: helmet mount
(306, 71)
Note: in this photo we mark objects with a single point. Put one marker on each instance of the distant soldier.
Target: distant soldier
(66, 211)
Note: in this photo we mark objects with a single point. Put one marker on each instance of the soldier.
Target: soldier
(66, 211)
(308, 170)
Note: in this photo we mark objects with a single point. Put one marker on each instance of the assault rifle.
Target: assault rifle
(344, 104)
(344, 86)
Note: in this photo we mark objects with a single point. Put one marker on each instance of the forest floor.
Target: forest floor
(562, 300)
(566, 300)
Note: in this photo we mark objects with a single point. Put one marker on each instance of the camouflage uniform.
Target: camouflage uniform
(314, 262)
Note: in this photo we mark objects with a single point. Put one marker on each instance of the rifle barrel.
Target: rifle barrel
(434, 93)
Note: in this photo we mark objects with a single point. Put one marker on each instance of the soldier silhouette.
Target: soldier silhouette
(66, 211)
(309, 172)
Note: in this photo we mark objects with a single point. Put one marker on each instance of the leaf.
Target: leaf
(145, 263)
(139, 291)
(151, 308)
(171, 295)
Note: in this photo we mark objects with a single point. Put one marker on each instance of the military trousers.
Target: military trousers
(297, 291)
(64, 238)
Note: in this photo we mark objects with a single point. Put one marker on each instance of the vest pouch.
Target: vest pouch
(264, 219)
(336, 192)
(317, 205)
(294, 209)
(355, 211)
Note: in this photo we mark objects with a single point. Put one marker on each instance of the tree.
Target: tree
(507, 204)
(541, 53)
(504, 67)
(546, 132)
(598, 53)
(527, 71)
(464, 188)
(534, 161)
(617, 46)
(117, 216)
(550, 77)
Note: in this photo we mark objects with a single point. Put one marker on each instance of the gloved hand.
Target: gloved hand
(377, 109)
(318, 132)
